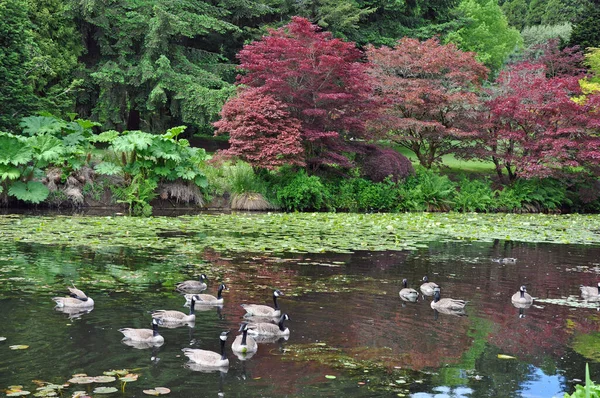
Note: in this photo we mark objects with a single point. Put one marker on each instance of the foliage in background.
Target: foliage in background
(540, 34)
(320, 80)
(487, 34)
(16, 46)
(586, 31)
(55, 58)
(427, 94)
(427, 191)
(377, 164)
(151, 64)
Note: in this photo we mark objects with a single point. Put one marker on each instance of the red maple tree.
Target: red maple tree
(427, 94)
(320, 80)
(261, 131)
(534, 129)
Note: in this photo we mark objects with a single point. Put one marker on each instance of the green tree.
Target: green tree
(487, 33)
(586, 33)
(16, 49)
(516, 12)
(155, 63)
(58, 46)
(561, 11)
(535, 12)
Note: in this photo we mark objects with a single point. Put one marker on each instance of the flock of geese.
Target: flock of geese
(262, 323)
(521, 299)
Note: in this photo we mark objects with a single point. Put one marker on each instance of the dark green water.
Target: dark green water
(346, 321)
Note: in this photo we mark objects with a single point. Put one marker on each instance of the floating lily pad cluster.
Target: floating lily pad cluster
(46, 389)
(304, 232)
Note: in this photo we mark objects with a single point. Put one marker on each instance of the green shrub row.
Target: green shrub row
(426, 190)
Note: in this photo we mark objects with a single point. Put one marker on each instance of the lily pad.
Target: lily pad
(105, 390)
(82, 380)
(129, 377)
(17, 393)
(2, 338)
(79, 394)
(330, 377)
(119, 372)
(18, 347)
(157, 391)
(104, 379)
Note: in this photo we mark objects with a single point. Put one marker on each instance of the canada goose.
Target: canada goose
(172, 316)
(521, 297)
(427, 288)
(78, 294)
(208, 299)
(264, 310)
(590, 291)
(209, 359)
(408, 294)
(78, 299)
(244, 344)
(446, 305)
(193, 286)
(144, 335)
(270, 329)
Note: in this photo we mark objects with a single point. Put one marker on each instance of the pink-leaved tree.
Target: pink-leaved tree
(428, 95)
(318, 80)
(261, 130)
(534, 129)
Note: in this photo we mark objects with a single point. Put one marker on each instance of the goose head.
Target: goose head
(405, 283)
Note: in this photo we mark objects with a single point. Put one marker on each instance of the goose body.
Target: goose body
(427, 288)
(270, 329)
(193, 286)
(207, 299)
(244, 344)
(73, 302)
(209, 359)
(521, 297)
(264, 310)
(408, 294)
(77, 299)
(172, 316)
(590, 291)
(144, 335)
(447, 304)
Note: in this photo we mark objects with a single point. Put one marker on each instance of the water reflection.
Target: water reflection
(351, 313)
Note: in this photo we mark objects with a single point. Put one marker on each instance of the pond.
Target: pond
(351, 335)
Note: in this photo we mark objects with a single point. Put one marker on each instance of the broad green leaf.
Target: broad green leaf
(132, 140)
(74, 139)
(108, 168)
(46, 147)
(9, 172)
(201, 181)
(14, 151)
(33, 125)
(32, 191)
(330, 377)
(173, 132)
(106, 136)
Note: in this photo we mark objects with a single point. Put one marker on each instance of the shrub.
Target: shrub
(301, 193)
(473, 195)
(359, 194)
(427, 190)
(379, 164)
(534, 195)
